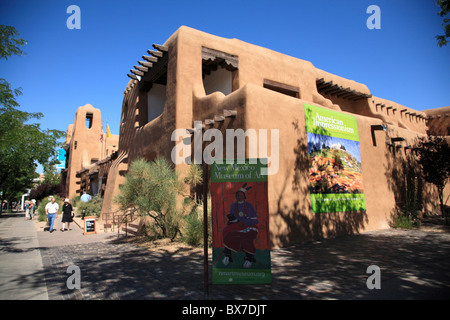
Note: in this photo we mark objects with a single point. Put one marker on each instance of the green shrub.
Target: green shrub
(192, 231)
(150, 190)
(93, 207)
(403, 222)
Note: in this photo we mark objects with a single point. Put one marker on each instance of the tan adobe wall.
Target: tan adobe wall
(439, 121)
(84, 148)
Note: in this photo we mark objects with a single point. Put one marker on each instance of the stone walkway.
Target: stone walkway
(414, 264)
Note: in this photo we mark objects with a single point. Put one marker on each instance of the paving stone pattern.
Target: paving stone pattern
(414, 265)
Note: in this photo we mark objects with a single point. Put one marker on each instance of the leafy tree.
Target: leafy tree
(51, 175)
(9, 44)
(434, 158)
(22, 144)
(445, 6)
(44, 190)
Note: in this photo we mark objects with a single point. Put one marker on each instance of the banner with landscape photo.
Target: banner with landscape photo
(335, 174)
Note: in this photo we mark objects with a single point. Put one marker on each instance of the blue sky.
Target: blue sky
(64, 69)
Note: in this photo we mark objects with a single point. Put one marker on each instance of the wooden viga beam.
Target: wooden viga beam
(160, 47)
(157, 54)
(192, 130)
(150, 59)
(229, 113)
(145, 64)
(132, 76)
(136, 72)
(143, 69)
(219, 118)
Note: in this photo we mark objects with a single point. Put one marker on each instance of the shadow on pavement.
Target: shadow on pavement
(413, 264)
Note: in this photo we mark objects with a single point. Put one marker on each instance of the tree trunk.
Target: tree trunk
(441, 200)
(1, 206)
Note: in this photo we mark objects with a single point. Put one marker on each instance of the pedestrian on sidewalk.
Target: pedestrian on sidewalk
(32, 208)
(51, 210)
(27, 210)
(67, 215)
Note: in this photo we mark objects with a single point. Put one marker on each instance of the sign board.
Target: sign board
(90, 226)
(61, 159)
(335, 173)
(240, 223)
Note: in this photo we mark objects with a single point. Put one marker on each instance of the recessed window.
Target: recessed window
(156, 99)
(218, 80)
(89, 118)
(219, 70)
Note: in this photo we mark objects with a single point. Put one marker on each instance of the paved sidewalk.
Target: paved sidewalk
(21, 268)
(414, 265)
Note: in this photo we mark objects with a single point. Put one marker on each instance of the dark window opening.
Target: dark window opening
(89, 118)
(219, 71)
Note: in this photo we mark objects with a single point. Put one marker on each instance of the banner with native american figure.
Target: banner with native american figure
(240, 223)
(335, 174)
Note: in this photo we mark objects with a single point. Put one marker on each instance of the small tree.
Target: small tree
(44, 190)
(151, 189)
(93, 207)
(434, 158)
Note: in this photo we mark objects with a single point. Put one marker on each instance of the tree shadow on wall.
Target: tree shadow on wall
(302, 224)
(405, 181)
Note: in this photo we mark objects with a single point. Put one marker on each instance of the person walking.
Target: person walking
(32, 208)
(67, 215)
(51, 210)
(27, 210)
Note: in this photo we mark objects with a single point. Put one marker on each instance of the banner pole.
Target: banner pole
(205, 227)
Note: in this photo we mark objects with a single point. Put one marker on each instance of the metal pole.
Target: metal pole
(205, 228)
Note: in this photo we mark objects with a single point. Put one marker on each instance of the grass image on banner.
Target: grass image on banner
(335, 174)
(240, 223)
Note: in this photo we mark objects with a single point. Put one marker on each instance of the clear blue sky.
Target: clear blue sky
(64, 69)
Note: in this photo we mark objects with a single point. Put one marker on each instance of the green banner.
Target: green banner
(330, 123)
(227, 276)
(235, 171)
(337, 202)
(335, 174)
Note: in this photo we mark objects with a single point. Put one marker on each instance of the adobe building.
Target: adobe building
(195, 76)
(85, 146)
